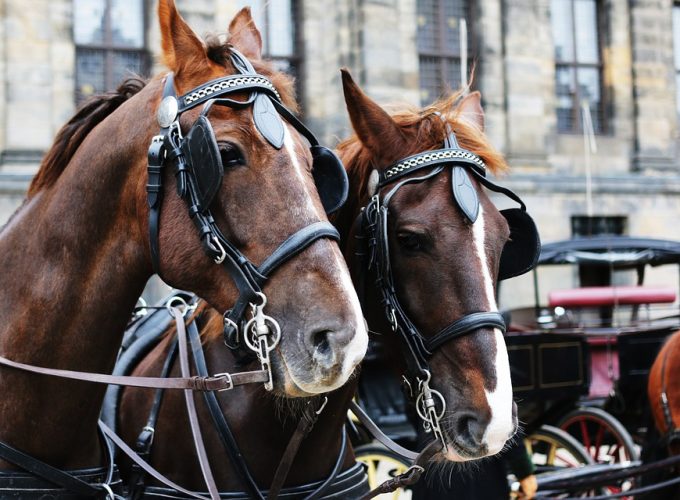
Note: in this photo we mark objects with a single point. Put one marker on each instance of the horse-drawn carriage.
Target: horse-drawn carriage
(595, 387)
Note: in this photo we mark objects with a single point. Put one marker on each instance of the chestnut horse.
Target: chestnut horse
(78, 253)
(663, 390)
(444, 267)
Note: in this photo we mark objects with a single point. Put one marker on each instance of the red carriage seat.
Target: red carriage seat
(597, 296)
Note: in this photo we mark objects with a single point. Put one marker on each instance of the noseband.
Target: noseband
(374, 246)
(199, 171)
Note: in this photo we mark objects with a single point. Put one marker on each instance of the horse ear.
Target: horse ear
(181, 46)
(244, 35)
(376, 129)
(470, 110)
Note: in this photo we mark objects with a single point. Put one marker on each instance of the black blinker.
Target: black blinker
(203, 156)
(330, 178)
(522, 250)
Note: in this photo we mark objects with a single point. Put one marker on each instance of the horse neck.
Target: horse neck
(75, 263)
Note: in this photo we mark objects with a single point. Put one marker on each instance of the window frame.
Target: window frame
(675, 6)
(575, 65)
(109, 48)
(441, 53)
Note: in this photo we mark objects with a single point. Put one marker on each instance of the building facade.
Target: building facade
(547, 70)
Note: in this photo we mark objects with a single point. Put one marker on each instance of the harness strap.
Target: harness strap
(334, 473)
(463, 326)
(49, 473)
(191, 406)
(145, 439)
(297, 243)
(154, 186)
(218, 382)
(221, 425)
(412, 474)
(122, 446)
(292, 246)
(305, 425)
(672, 432)
(379, 435)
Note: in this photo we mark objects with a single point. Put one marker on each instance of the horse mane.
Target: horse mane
(73, 133)
(425, 130)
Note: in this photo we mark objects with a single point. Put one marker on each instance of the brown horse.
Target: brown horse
(445, 268)
(663, 390)
(77, 254)
(663, 438)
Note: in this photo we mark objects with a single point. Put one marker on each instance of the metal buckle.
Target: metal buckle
(229, 379)
(223, 253)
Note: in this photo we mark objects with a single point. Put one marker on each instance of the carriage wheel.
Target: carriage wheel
(605, 438)
(553, 449)
(382, 464)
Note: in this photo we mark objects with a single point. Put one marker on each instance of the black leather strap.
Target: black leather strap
(231, 83)
(223, 430)
(296, 243)
(292, 246)
(49, 473)
(379, 435)
(323, 487)
(349, 484)
(463, 326)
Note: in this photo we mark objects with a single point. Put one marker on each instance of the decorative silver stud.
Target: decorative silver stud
(167, 111)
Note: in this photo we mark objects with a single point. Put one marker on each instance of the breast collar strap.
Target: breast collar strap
(166, 148)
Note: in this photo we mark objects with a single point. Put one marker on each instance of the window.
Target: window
(278, 24)
(578, 63)
(109, 38)
(583, 226)
(597, 225)
(439, 48)
(676, 46)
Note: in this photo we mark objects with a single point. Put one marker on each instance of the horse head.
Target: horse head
(436, 245)
(247, 172)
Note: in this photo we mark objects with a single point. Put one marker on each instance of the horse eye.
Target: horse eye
(231, 155)
(411, 241)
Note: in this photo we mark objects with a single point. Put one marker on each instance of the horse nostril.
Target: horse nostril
(321, 343)
(470, 431)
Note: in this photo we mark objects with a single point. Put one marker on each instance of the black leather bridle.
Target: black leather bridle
(374, 250)
(199, 171)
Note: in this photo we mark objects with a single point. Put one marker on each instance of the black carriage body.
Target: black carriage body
(595, 353)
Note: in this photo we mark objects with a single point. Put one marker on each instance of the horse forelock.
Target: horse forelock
(218, 51)
(73, 133)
